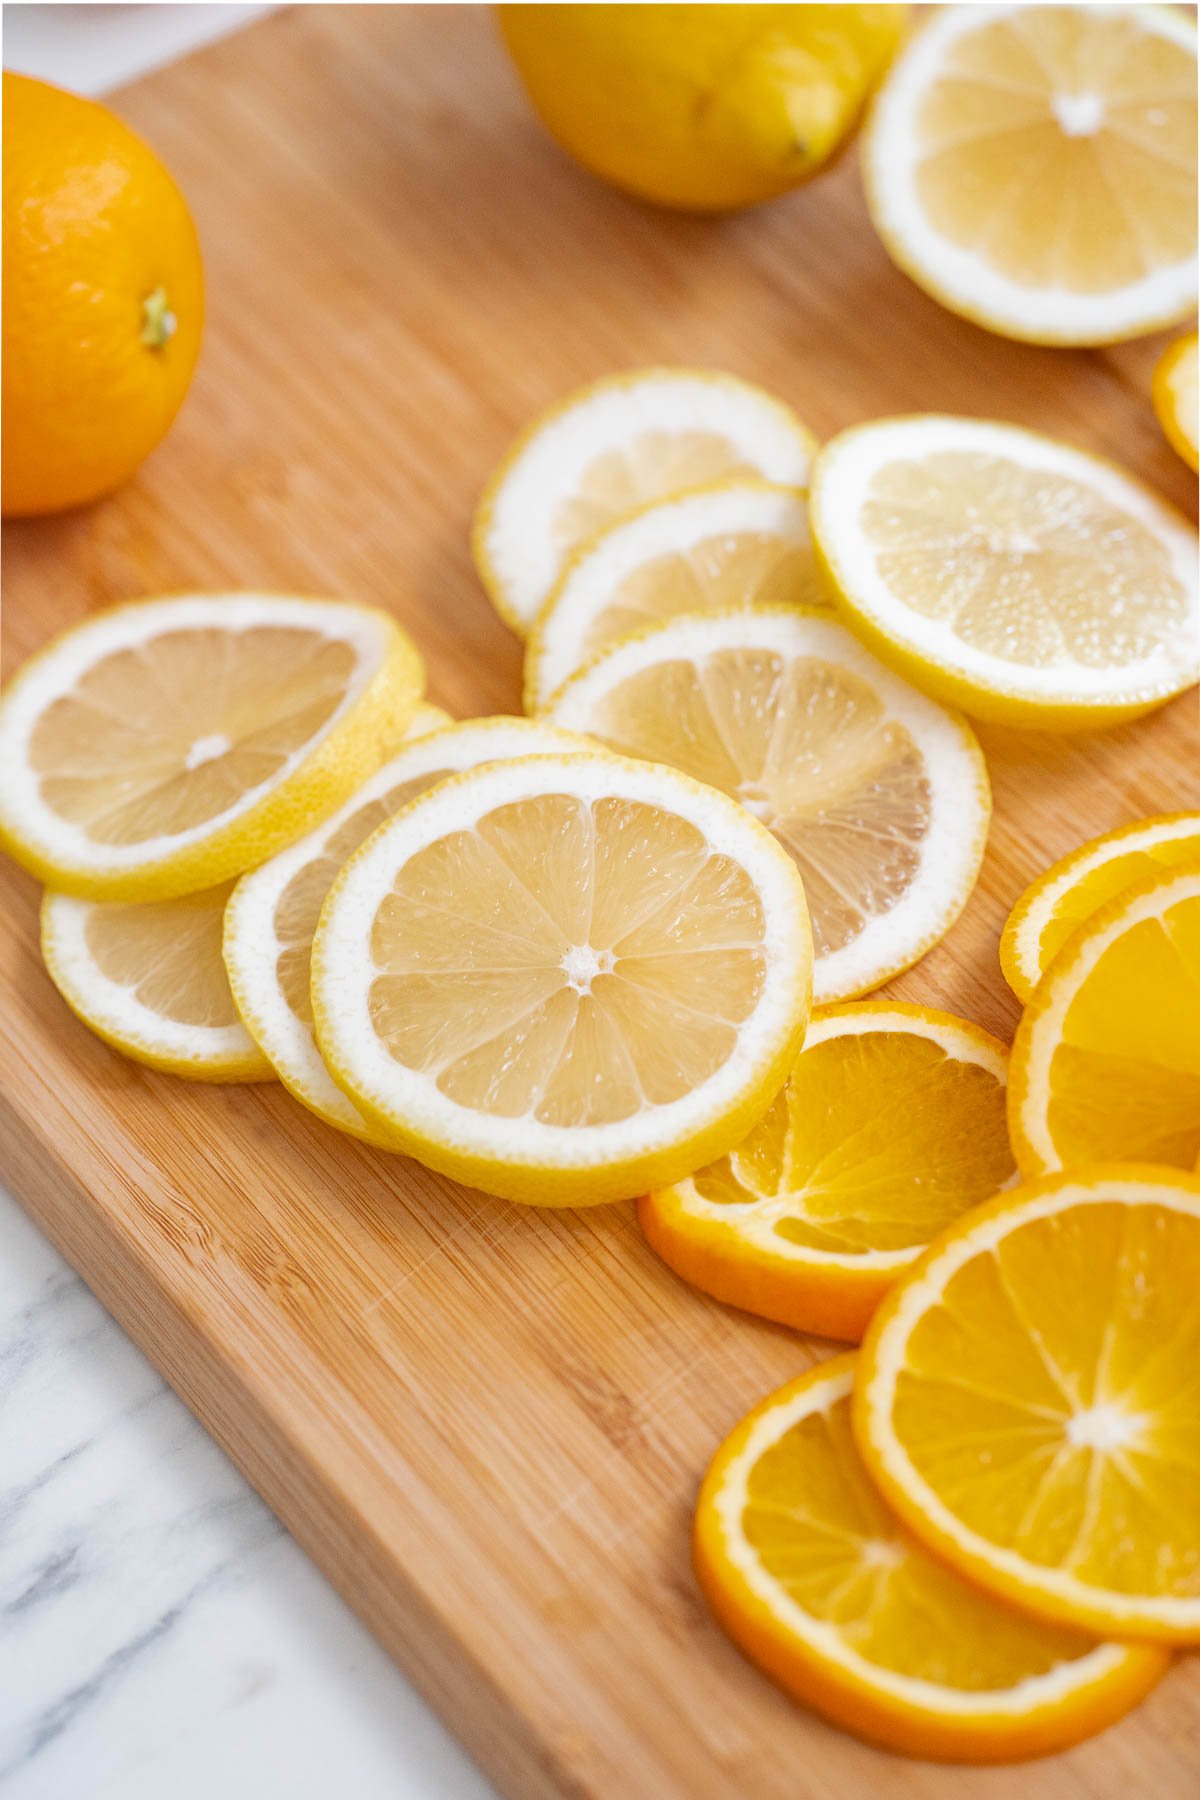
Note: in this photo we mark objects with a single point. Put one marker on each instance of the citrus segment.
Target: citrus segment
(1176, 399)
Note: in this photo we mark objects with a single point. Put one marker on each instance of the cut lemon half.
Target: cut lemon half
(1175, 398)
(163, 746)
(742, 543)
(564, 979)
(1026, 1399)
(611, 448)
(1058, 902)
(149, 980)
(820, 1584)
(273, 914)
(1006, 573)
(891, 1124)
(878, 795)
(1034, 167)
(1106, 1060)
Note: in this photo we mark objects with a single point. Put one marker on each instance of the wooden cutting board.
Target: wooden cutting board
(485, 1424)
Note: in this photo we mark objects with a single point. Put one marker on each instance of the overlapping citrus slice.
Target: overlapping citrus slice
(1006, 573)
(1026, 1399)
(1106, 1060)
(879, 795)
(742, 543)
(611, 448)
(817, 1581)
(1176, 399)
(1034, 167)
(1058, 902)
(271, 918)
(149, 980)
(891, 1124)
(163, 746)
(564, 979)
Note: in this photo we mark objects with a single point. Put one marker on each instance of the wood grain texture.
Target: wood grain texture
(488, 1425)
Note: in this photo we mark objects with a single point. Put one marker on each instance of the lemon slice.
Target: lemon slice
(1011, 575)
(1106, 1060)
(1034, 167)
(271, 918)
(1058, 902)
(739, 544)
(1026, 1397)
(564, 979)
(149, 980)
(611, 448)
(1175, 398)
(163, 746)
(891, 1124)
(880, 796)
(819, 1583)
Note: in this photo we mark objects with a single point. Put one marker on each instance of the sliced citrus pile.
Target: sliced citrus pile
(880, 796)
(611, 448)
(818, 1582)
(1058, 902)
(738, 544)
(1034, 167)
(891, 1124)
(1026, 1399)
(1106, 1061)
(163, 746)
(1176, 400)
(149, 980)
(273, 914)
(564, 979)
(1006, 573)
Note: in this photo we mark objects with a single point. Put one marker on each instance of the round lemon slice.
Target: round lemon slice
(1106, 1060)
(741, 543)
(271, 918)
(1067, 895)
(819, 1583)
(564, 979)
(1175, 398)
(1006, 573)
(611, 448)
(891, 1124)
(1034, 167)
(1025, 1400)
(163, 746)
(149, 980)
(879, 796)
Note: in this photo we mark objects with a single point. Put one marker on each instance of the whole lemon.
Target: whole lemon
(708, 107)
(103, 299)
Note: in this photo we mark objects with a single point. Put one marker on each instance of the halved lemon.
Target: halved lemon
(879, 796)
(271, 918)
(1106, 1060)
(149, 980)
(891, 1124)
(1026, 1399)
(820, 1584)
(1058, 902)
(1006, 573)
(611, 448)
(163, 746)
(1175, 398)
(742, 543)
(564, 979)
(1034, 167)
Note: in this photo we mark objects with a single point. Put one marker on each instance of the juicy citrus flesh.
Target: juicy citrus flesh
(653, 465)
(1059, 143)
(1106, 1062)
(891, 1124)
(820, 1583)
(1028, 1399)
(168, 954)
(1177, 398)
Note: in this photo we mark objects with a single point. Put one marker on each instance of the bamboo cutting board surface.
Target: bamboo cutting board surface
(486, 1424)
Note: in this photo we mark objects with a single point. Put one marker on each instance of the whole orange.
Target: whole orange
(103, 299)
